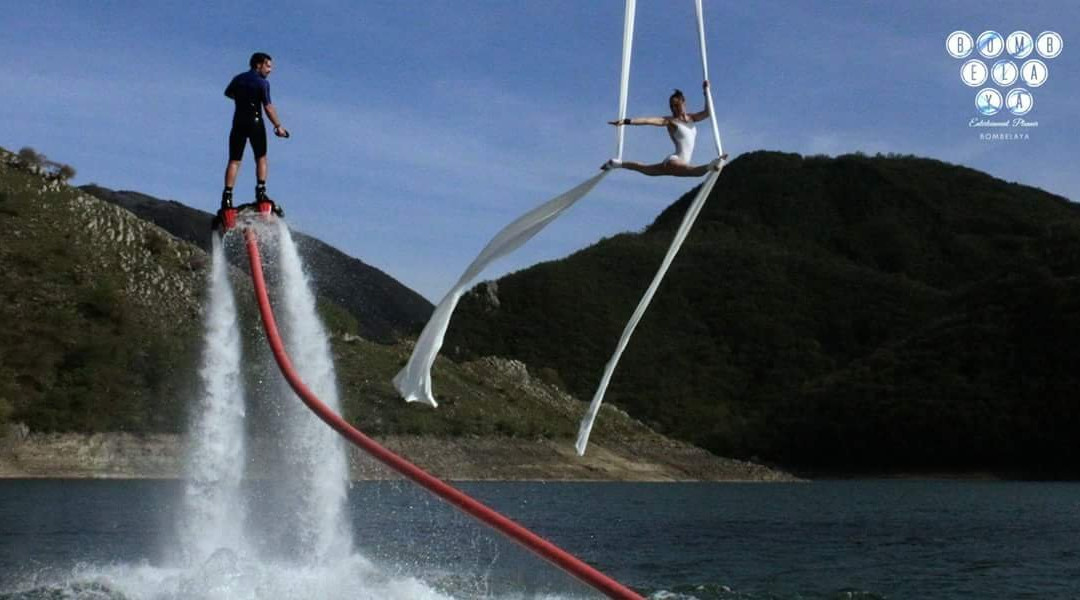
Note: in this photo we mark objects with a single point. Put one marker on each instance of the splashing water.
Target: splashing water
(315, 469)
(213, 512)
(238, 541)
(227, 576)
(216, 549)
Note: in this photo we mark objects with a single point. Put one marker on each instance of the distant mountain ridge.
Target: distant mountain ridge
(102, 345)
(385, 309)
(848, 313)
(835, 315)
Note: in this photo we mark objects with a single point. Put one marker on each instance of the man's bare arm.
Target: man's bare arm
(279, 129)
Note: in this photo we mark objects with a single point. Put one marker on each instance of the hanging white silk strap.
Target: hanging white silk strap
(624, 81)
(684, 229)
(705, 76)
(414, 381)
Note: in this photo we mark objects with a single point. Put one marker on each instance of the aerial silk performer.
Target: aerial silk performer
(413, 382)
(680, 236)
(680, 126)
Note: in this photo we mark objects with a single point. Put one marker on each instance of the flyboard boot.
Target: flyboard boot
(228, 215)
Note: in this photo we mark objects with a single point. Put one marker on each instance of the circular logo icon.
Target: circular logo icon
(1019, 44)
(990, 44)
(974, 73)
(1004, 73)
(959, 44)
(988, 101)
(1049, 44)
(1019, 101)
(1034, 72)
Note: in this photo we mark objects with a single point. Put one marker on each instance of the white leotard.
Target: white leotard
(683, 135)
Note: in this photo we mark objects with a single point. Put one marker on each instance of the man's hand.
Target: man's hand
(281, 132)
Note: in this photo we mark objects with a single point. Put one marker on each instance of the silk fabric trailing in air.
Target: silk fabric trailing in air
(684, 229)
(414, 381)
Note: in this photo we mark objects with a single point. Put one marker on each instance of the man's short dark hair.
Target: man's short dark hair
(258, 58)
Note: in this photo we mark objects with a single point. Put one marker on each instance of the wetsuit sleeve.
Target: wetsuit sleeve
(230, 90)
(266, 92)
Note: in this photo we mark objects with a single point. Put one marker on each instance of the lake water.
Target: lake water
(826, 539)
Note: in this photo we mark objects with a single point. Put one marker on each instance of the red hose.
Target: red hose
(486, 515)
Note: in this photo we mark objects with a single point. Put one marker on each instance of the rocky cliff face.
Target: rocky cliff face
(151, 263)
(384, 309)
(97, 456)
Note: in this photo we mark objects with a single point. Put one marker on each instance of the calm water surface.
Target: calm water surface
(827, 539)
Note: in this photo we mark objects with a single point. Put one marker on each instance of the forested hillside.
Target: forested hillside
(843, 313)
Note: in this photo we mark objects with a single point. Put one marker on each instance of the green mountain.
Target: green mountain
(102, 326)
(99, 311)
(831, 314)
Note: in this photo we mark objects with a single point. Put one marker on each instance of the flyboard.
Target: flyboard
(244, 219)
(228, 216)
(413, 382)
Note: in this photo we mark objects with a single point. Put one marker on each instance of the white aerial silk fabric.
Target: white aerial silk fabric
(624, 80)
(414, 381)
(684, 229)
(705, 76)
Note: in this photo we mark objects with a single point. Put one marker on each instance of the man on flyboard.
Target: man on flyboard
(251, 92)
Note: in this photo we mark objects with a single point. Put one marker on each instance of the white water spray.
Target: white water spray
(227, 552)
(213, 514)
(228, 577)
(315, 456)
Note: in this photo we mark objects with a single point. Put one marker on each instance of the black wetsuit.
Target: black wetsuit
(251, 92)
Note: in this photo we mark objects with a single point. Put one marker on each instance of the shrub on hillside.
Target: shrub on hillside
(29, 157)
(35, 161)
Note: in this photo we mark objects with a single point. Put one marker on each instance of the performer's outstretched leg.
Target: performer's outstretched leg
(670, 167)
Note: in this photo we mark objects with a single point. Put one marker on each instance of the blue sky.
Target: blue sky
(420, 128)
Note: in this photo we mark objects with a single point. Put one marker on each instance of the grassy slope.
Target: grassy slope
(97, 311)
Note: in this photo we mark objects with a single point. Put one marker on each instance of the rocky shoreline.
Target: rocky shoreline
(162, 456)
